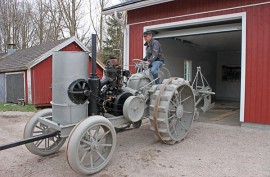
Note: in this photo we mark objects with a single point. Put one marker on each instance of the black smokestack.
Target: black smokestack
(94, 82)
(94, 54)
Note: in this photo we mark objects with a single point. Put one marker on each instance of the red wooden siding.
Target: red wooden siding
(99, 70)
(75, 47)
(257, 70)
(184, 7)
(42, 82)
(257, 96)
(72, 47)
(42, 78)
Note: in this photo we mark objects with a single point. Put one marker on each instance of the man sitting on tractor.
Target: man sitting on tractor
(154, 54)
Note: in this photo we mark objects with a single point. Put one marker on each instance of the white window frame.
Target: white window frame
(188, 70)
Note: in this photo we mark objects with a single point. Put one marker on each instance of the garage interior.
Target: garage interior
(216, 48)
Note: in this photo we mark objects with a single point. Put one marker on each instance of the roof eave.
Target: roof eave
(133, 6)
(12, 70)
(58, 48)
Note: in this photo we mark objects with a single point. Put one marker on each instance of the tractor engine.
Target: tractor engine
(112, 95)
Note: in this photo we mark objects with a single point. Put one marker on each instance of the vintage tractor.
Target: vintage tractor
(88, 111)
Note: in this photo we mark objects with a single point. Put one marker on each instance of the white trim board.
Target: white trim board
(201, 30)
(29, 86)
(126, 48)
(209, 20)
(133, 6)
(197, 21)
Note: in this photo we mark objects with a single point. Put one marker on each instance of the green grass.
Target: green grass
(14, 107)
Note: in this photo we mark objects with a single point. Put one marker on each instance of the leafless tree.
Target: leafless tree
(14, 28)
(39, 17)
(96, 18)
(70, 11)
(27, 29)
(54, 22)
(27, 23)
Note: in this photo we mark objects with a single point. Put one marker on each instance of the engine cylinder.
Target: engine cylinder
(67, 67)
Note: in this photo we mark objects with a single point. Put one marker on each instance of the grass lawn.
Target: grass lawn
(14, 107)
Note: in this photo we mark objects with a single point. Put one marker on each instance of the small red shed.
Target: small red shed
(27, 73)
(228, 39)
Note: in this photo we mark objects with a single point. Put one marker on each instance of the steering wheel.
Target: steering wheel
(141, 65)
(137, 61)
(140, 62)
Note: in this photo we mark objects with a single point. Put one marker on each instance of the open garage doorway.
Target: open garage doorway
(217, 47)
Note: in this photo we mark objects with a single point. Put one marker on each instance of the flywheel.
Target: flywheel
(172, 110)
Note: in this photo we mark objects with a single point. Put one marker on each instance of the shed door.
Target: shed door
(2, 88)
(15, 87)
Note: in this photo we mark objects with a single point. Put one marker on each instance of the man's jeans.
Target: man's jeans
(154, 70)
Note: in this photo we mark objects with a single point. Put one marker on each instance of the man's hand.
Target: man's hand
(149, 64)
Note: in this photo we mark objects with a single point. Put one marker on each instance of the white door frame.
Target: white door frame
(29, 86)
(207, 20)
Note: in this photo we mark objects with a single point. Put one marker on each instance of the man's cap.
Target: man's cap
(147, 32)
(111, 56)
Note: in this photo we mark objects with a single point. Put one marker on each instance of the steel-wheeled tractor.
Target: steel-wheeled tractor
(87, 111)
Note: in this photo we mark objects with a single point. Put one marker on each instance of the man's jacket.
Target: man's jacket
(153, 51)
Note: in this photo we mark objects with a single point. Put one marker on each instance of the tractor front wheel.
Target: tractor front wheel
(91, 145)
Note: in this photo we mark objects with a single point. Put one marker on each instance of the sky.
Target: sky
(86, 18)
(114, 2)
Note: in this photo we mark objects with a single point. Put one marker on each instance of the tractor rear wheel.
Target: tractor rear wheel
(172, 110)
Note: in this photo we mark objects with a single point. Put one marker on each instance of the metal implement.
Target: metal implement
(28, 140)
(202, 91)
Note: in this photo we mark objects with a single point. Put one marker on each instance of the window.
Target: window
(188, 70)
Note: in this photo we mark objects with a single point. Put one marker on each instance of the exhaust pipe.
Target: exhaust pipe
(93, 82)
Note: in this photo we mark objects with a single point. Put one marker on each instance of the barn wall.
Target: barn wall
(257, 97)
(185, 7)
(42, 78)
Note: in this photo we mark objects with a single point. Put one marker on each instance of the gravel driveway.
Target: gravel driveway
(208, 150)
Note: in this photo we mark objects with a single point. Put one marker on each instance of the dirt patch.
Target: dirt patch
(208, 150)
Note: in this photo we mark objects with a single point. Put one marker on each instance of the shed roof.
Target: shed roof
(19, 60)
(27, 58)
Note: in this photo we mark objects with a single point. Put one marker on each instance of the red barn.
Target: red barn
(27, 74)
(229, 39)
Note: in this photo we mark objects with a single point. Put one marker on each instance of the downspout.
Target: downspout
(126, 35)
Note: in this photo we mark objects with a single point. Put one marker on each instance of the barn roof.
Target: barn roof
(130, 5)
(27, 58)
